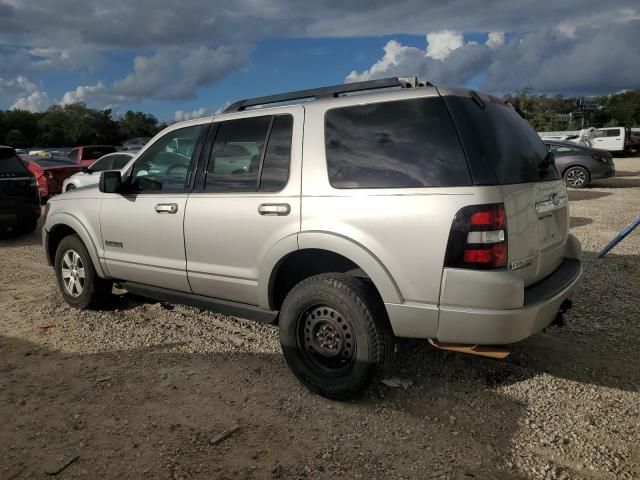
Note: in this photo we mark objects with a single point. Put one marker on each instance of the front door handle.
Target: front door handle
(167, 208)
(274, 209)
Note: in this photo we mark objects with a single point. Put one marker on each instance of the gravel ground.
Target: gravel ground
(140, 389)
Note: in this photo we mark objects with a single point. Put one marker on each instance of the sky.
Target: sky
(180, 60)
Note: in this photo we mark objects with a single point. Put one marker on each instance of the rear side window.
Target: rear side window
(497, 138)
(251, 154)
(10, 164)
(398, 144)
(615, 132)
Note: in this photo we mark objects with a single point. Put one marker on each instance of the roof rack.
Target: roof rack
(326, 92)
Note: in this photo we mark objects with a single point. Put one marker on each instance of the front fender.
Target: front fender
(71, 221)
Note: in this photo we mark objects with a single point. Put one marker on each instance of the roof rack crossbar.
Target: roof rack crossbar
(323, 92)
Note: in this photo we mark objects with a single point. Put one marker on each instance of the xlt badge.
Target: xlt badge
(111, 243)
(523, 262)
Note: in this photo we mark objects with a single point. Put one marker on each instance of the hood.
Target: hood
(90, 191)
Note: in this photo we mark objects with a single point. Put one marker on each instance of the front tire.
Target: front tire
(577, 177)
(70, 188)
(79, 284)
(335, 334)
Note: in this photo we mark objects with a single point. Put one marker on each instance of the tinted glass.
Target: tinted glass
(563, 149)
(101, 164)
(164, 166)
(275, 170)
(613, 133)
(495, 136)
(408, 143)
(235, 157)
(119, 161)
(10, 164)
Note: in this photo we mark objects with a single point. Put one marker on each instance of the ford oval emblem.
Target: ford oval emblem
(555, 198)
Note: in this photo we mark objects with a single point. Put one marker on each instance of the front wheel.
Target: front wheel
(577, 177)
(71, 187)
(335, 334)
(80, 285)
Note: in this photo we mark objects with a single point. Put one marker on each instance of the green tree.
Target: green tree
(16, 139)
(137, 124)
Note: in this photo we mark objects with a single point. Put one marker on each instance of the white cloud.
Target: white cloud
(18, 85)
(577, 61)
(171, 73)
(495, 39)
(181, 116)
(441, 44)
(37, 101)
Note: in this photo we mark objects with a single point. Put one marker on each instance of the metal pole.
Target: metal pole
(618, 238)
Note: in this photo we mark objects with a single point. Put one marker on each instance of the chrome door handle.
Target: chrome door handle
(167, 208)
(273, 209)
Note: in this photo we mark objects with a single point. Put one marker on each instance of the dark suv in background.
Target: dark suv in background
(19, 196)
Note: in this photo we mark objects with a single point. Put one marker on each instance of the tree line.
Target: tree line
(556, 113)
(75, 124)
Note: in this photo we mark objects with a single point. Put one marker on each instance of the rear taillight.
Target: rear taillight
(478, 238)
(599, 158)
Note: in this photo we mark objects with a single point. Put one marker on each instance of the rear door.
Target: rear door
(247, 200)
(498, 140)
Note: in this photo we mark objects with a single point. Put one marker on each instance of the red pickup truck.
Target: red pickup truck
(86, 155)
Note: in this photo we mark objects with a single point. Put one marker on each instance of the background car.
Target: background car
(579, 165)
(86, 155)
(19, 198)
(135, 143)
(50, 173)
(91, 175)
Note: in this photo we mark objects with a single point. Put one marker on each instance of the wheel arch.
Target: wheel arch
(322, 252)
(62, 225)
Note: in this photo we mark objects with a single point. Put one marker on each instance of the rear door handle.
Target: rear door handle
(274, 209)
(167, 208)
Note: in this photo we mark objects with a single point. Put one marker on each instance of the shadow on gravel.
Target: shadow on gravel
(144, 413)
(9, 238)
(578, 195)
(616, 182)
(575, 222)
(622, 173)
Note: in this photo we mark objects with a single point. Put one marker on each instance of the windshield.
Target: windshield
(10, 164)
(495, 135)
(100, 165)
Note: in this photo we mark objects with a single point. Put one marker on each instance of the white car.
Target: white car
(91, 175)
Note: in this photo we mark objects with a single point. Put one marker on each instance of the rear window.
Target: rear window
(494, 135)
(10, 164)
(398, 144)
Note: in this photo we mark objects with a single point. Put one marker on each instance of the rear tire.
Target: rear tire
(577, 177)
(79, 284)
(335, 334)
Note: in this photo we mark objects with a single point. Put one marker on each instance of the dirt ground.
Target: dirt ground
(140, 389)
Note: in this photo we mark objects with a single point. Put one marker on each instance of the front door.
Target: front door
(247, 201)
(142, 229)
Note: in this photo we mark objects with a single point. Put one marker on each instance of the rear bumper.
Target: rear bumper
(496, 327)
(605, 170)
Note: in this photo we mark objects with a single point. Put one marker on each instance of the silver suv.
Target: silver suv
(370, 211)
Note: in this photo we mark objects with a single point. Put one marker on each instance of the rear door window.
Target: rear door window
(251, 154)
(397, 144)
(614, 132)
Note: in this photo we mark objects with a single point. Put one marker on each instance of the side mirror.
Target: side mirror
(110, 182)
(85, 170)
